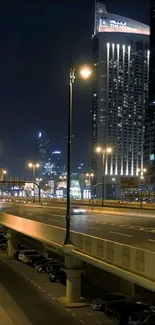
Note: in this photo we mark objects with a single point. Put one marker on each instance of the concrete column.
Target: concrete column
(11, 244)
(73, 269)
(73, 285)
(127, 287)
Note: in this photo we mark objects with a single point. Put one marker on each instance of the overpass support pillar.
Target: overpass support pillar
(73, 269)
(127, 287)
(11, 244)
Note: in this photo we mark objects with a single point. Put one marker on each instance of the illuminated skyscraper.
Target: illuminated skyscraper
(43, 153)
(149, 148)
(120, 91)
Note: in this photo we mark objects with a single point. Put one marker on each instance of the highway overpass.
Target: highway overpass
(132, 264)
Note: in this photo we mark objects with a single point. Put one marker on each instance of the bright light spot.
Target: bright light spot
(109, 150)
(30, 165)
(113, 179)
(40, 134)
(85, 73)
(144, 170)
(4, 172)
(98, 149)
(37, 165)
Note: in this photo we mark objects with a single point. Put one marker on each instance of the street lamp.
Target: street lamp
(33, 166)
(105, 152)
(85, 73)
(141, 174)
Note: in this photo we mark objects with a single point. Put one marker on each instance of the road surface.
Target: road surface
(30, 299)
(131, 230)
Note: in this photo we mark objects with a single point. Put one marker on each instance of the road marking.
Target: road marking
(49, 294)
(81, 321)
(91, 227)
(43, 290)
(53, 298)
(27, 278)
(52, 219)
(111, 224)
(39, 287)
(142, 229)
(119, 233)
(153, 230)
(152, 240)
(88, 314)
(39, 217)
(74, 315)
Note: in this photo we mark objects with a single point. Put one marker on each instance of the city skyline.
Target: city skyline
(30, 82)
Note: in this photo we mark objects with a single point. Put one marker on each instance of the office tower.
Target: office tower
(43, 153)
(120, 91)
(149, 147)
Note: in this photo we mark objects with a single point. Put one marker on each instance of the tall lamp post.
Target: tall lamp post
(85, 73)
(141, 175)
(104, 151)
(33, 166)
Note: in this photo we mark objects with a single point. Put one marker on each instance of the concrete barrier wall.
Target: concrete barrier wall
(34, 229)
(128, 258)
(137, 261)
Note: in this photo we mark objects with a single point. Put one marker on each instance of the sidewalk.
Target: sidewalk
(5, 319)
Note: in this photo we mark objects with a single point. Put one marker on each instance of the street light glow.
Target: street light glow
(98, 149)
(30, 165)
(37, 165)
(85, 73)
(4, 172)
(109, 150)
(144, 170)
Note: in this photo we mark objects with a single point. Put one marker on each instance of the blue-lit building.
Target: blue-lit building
(43, 153)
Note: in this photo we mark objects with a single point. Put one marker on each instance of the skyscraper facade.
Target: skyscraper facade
(149, 147)
(120, 91)
(43, 153)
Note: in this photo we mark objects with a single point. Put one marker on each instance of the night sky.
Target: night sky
(35, 40)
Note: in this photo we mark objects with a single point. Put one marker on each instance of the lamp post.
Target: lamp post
(141, 174)
(33, 166)
(85, 73)
(90, 177)
(104, 151)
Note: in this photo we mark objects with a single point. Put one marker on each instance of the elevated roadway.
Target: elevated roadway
(136, 229)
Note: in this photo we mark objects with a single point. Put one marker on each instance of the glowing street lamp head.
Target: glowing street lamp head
(4, 172)
(30, 165)
(109, 150)
(37, 165)
(144, 170)
(92, 175)
(98, 149)
(85, 72)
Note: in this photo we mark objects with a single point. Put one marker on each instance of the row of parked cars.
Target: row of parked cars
(41, 262)
(124, 310)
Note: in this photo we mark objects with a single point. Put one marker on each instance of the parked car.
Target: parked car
(36, 258)
(121, 310)
(3, 243)
(44, 260)
(53, 266)
(57, 276)
(44, 267)
(25, 253)
(99, 303)
(18, 251)
(4, 246)
(144, 317)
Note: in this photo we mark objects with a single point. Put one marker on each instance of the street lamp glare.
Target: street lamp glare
(144, 170)
(85, 73)
(37, 165)
(98, 149)
(30, 165)
(109, 150)
(4, 172)
(92, 175)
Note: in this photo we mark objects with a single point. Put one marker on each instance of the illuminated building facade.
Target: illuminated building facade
(43, 153)
(149, 147)
(120, 91)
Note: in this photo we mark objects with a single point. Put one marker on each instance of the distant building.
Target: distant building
(120, 92)
(43, 153)
(149, 147)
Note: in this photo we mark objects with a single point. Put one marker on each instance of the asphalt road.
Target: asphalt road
(30, 299)
(132, 230)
